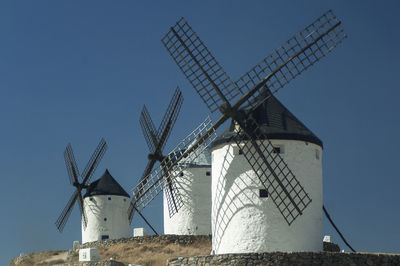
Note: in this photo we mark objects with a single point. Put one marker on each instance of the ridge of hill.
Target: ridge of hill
(194, 250)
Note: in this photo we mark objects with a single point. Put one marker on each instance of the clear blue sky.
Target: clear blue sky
(76, 71)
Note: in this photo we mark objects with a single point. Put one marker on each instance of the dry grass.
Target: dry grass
(37, 258)
(152, 254)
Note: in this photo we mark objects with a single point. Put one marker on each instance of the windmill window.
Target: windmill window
(91, 199)
(105, 219)
(124, 200)
(263, 193)
(277, 149)
(105, 237)
(240, 151)
(317, 154)
(181, 174)
(109, 198)
(208, 173)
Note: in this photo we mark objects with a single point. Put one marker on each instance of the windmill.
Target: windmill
(187, 221)
(217, 91)
(73, 174)
(104, 207)
(163, 178)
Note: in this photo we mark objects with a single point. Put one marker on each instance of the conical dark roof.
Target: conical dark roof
(106, 185)
(275, 120)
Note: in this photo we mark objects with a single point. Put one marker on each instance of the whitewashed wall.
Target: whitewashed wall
(194, 217)
(243, 222)
(116, 213)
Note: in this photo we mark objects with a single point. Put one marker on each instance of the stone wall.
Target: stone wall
(295, 258)
(163, 239)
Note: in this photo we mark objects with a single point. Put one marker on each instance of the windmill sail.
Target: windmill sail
(295, 55)
(148, 129)
(156, 141)
(73, 174)
(199, 66)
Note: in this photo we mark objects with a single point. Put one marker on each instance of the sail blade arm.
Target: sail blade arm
(169, 119)
(94, 161)
(63, 218)
(295, 55)
(199, 66)
(148, 129)
(70, 163)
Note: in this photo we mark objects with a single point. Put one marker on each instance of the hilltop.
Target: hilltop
(146, 251)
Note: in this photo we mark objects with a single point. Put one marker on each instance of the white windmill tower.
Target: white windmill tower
(193, 183)
(104, 208)
(244, 218)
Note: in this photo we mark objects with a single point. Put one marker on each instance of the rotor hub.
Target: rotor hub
(157, 157)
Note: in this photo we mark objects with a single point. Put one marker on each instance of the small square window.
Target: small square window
(91, 199)
(276, 150)
(263, 193)
(240, 152)
(109, 198)
(208, 173)
(105, 219)
(181, 174)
